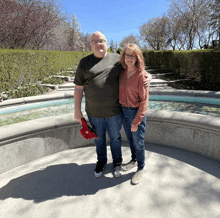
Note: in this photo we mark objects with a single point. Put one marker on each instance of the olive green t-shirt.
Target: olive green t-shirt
(100, 78)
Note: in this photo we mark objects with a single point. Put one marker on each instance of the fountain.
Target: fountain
(47, 135)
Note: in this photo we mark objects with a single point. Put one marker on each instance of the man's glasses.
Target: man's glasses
(100, 42)
(130, 56)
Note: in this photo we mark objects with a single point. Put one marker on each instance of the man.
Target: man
(98, 76)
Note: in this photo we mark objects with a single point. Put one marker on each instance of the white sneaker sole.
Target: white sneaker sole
(98, 175)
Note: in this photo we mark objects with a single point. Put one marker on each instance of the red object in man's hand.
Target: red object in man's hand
(86, 131)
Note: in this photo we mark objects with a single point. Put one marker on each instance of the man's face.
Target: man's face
(99, 45)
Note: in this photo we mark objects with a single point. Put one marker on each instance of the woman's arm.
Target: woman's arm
(144, 99)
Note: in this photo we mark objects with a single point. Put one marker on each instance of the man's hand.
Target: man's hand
(134, 128)
(148, 80)
(78, 116)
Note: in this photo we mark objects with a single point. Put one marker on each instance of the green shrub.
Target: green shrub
(210, 70)
(52, 80)
(109, 50)
(201, 65)
(119, 51)
(21, 67)
(28, 90)
(64, 73)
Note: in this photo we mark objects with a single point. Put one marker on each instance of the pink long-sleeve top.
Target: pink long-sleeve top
(132, 93)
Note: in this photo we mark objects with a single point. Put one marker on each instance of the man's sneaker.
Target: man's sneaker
(117, 170)
(137, 177)
(131, 164)
(100, 167)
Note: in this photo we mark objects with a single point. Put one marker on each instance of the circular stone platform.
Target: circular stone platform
(176, 184)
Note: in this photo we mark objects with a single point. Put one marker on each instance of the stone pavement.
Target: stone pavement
(176, 184)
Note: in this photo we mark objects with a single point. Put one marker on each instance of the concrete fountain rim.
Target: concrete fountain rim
(10, 132)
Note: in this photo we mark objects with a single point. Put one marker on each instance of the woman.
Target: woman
(134, 97)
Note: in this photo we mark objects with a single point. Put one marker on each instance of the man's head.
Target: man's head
(99, 44)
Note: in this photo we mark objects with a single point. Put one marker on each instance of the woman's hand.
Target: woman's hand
(134, 128)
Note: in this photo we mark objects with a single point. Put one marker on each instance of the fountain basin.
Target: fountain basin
(27, 109)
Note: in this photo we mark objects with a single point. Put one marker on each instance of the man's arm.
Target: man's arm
(78, 95)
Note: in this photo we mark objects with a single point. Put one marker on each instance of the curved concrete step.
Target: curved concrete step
(69, 85)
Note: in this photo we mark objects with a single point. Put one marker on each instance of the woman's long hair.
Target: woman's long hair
(140, 59)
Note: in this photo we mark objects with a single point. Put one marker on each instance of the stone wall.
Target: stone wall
(24, 142)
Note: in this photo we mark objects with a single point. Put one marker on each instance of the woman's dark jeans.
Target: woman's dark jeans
(136, 139)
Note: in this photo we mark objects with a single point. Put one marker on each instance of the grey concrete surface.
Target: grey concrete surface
(176, 184)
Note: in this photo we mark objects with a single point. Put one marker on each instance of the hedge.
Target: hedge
(21, 67)
(202, 65)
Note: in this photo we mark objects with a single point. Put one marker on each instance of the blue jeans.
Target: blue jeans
(113, 126)
(136, 139)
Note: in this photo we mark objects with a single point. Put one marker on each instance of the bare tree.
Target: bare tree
(129, 39)
(215, 17)
(66, 39)
(173, 37)
(154, 32)
(59, 39)
(192, 14)
(215, 14)
(204, 35)
(112, 45)
(87, 39)
(75, 38)
(116, 46)
(26, 23)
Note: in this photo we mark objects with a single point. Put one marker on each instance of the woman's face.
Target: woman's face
(130, 58)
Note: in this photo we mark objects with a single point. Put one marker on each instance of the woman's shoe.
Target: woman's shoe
(137, 177)
(131, 164)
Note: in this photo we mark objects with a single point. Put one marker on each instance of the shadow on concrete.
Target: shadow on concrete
(72, 179)
(201, 162)
(59, 180)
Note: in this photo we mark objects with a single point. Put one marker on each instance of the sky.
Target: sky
(116, 19)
